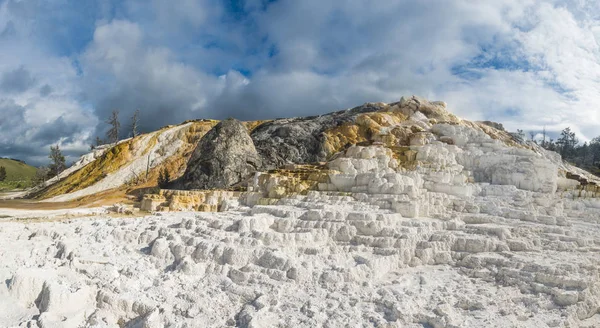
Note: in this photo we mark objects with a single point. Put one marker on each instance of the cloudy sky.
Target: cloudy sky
(65, 64)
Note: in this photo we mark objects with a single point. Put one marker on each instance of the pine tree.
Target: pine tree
(585, 152)
(550, 145)
(595, 152)
(160, 177)
(585, 156)
(57, 161)
(567, 143)
(2, 173)
(164, 178)
(167, 177)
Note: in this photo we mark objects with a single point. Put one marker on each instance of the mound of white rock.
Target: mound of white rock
(378, 245)
(474, 232)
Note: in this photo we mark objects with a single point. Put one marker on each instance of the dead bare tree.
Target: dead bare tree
(135, 120)
(113, 133)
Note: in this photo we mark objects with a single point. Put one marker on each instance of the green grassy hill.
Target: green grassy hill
(18, 175)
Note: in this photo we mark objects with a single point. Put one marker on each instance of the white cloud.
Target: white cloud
(525, 63)
(40, 91)
(363, 52)
(122, 72)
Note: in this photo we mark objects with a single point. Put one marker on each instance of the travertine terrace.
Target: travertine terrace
(420, 219)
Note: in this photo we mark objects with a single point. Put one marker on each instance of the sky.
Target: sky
(66, 64)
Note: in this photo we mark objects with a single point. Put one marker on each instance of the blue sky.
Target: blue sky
(65, 64)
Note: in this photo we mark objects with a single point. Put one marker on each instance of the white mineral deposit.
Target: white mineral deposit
(478, 233)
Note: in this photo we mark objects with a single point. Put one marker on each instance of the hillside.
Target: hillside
(398, 214)
(133, 165)
(18, 174)
(392, 215)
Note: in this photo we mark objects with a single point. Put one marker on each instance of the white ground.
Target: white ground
(306, 263)
(12, 194)
(7, 214)
(479, 234)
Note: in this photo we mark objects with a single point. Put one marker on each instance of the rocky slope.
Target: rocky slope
(407, 217)
(278, 142)
(132, 163)
(402, 126)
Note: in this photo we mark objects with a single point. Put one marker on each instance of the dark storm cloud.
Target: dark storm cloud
(34, 154)
(23, 152)
(31, 143)
(155, 111)
(142, 77)
(11, 126)
(256, 59)
(11, 121)
(45, 90)
(55, 130)
(17, 80)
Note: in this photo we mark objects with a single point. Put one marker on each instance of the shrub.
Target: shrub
(164, 178)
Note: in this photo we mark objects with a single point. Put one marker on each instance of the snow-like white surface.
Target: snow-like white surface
(317, 260)
(8, 213)
(13, 194)
(479, 234)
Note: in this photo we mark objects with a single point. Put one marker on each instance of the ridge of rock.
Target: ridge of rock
(413, 218)
(302, 140)
(405, 127)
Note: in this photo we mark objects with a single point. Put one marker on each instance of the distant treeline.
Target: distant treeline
(14, 159)
(585, 156)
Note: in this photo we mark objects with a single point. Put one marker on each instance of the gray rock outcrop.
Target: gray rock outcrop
(300, 140)
(224, 157)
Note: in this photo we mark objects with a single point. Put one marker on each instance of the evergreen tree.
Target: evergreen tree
(164, 178)
(583, 153)
(2, 173)
(57, 161)
(167, 177)
(595, 152)
(566, 143)
(160, 177)
(585, 156)
(550, 145)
